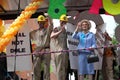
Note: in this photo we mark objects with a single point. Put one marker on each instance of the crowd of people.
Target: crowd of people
(49, 38)
(56, 40)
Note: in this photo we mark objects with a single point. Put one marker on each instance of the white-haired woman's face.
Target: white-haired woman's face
(85, 26)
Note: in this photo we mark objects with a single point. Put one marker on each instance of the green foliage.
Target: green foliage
(114, 41)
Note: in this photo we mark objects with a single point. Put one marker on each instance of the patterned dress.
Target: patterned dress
(85, 41)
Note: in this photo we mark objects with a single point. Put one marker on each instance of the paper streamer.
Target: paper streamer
(55, 52)
(96, 5)
(18, 23)
(111, 7)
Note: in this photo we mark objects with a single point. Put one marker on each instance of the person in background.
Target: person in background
(41, 38)
(100, 29)
(86, 40)
(108, 57)
(59, 42)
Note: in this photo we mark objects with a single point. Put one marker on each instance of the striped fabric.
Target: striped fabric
(117, 33)
(86, 15)
(100, 42)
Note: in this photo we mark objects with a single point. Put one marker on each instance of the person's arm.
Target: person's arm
(107, 36)
(50, 22)
(55, 33)
(77, 29)
(75, 35)
(32, 35)
(49, 27)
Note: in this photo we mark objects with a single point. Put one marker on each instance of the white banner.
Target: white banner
(100, 42)
(21, 45)
(72, 45)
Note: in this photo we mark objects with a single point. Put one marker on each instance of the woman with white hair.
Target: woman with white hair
(86, 40)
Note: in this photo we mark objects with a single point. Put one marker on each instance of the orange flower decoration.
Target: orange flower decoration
(18, 23)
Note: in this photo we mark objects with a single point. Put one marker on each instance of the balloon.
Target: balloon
(18, 23)
(2, 28)
(112, 7)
